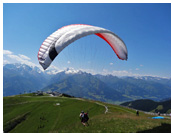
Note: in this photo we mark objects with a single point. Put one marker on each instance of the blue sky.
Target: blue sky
(145, 29)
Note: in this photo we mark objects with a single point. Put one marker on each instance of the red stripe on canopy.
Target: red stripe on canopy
(114, 49)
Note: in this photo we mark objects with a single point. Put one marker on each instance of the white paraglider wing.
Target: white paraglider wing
(64, 36)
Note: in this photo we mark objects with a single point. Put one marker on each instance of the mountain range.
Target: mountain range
(21, 78)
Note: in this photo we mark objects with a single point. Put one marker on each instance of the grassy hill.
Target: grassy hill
(41, 114)
(150, 105)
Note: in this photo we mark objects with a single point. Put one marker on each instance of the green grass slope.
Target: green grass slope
(150, 105)
(40, 114)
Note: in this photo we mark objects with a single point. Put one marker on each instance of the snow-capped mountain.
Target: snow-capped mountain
(157, 79)
(23, 68)
(54, 71)
(18, 78)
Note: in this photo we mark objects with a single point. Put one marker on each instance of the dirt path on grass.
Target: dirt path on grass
(106, 108)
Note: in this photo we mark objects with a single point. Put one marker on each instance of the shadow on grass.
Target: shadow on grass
(13, 123)
(164, 128)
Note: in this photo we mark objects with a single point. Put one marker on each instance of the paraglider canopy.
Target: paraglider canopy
(158, 117)
(64, 36)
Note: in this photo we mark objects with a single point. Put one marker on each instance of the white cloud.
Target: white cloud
(5, 62)
(141, 65)
(111, 64)
(15, 57)
(137, 69)
(124, 73)
(68, 62)
(121, 73)
(7, 52)
(24, 57)
(9, 57)
(118, 73)
(53, 67)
